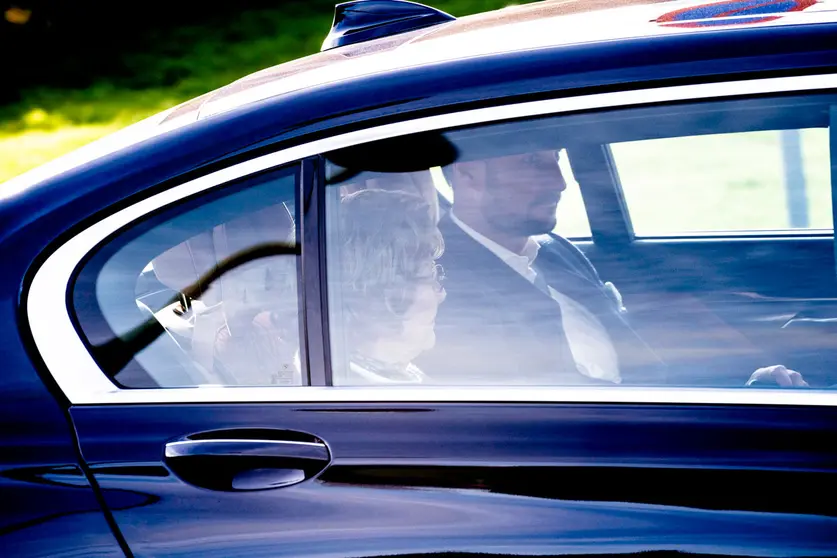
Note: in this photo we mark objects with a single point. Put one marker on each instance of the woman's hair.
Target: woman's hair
(388, 243)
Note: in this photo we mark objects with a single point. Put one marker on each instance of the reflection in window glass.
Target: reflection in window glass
(404, 250)
(239, 329)
(749, 181)
(448, 275)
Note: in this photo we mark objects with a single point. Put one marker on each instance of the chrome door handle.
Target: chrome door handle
(229, 460)
(254, 448)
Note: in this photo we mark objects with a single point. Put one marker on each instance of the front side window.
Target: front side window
(453, 258)
(204, 293)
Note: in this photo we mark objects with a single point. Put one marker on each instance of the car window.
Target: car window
(404, 250)
(771, 180)
(210, 285)
(452, 257)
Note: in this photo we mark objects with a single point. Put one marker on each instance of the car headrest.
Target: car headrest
(184, 263)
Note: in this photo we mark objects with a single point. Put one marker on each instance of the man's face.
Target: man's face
(522, 192)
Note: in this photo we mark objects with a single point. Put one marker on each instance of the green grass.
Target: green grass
(168, 67)
(27, 149)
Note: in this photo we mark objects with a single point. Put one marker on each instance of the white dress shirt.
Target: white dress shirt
(590, 343)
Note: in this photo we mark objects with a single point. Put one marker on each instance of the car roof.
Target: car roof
(522, 31)
(545, 24)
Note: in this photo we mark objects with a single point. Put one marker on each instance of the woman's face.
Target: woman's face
(420, 320)
(417, 333)
(391, 244)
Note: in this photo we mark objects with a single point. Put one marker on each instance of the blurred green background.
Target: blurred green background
(81, 69)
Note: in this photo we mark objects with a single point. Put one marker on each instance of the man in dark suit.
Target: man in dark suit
(523, 307)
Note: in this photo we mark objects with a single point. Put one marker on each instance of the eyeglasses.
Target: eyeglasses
(438, 278)
(399, 298)
(434, 272)
(434, 277)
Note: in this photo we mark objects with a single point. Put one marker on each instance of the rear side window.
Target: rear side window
(760, 181)
(204, 293)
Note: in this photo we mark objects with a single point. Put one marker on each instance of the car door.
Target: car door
(231, 349)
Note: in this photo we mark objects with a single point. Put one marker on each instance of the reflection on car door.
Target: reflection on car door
(499, 479)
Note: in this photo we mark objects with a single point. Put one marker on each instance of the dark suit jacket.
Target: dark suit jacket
(495, 327)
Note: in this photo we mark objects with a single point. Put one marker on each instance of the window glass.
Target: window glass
(384, 282)
(571, 218)
(400, 243)
(749, 181)
(451, 256)
(202, 294)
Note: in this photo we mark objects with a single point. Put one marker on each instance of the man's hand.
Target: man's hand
(777, 374)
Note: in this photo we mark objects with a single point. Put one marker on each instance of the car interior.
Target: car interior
(720, 303)
(714, 305)
(216, 335)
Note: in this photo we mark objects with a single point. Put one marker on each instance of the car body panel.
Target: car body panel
(49, 506)
(502, 479)
(515, 29)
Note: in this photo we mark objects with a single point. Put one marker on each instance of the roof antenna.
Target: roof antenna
(363, 20)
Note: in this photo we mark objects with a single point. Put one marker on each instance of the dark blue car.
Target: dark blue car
(544, 281)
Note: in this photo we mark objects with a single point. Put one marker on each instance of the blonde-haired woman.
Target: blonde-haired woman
(385, 286)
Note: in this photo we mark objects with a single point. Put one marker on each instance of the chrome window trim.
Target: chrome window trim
(462, 394)
(83, 383)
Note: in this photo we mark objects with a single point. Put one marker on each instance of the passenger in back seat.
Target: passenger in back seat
(386, 286)
(246, 326)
